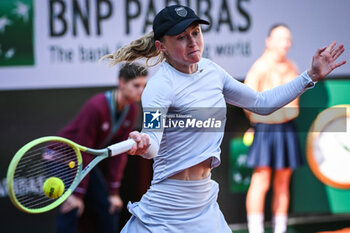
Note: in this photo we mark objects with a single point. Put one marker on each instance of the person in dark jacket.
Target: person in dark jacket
(105, 119)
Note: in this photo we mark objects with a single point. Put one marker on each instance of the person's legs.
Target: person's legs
(255, 202)
(280, 200)
(97, 196)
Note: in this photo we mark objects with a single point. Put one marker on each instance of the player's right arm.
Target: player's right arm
(156, 97)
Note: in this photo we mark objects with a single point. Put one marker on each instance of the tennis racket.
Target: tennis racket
(48, 157)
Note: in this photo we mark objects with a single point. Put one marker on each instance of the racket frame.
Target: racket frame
(80, 175)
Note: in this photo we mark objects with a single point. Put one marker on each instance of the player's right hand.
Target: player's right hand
(142, 143)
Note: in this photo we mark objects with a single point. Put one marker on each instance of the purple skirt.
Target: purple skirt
(276, 146)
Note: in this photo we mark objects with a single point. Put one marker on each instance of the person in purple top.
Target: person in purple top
(106, 118)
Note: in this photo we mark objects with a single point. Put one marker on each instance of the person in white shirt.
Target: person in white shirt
(182, 196)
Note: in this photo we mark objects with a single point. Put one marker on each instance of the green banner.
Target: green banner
(16, 33)
(240, 175)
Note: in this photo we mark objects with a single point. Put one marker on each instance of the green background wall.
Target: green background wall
(309, 194)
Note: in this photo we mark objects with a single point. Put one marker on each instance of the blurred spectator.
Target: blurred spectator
(275, 145)
(105, 119)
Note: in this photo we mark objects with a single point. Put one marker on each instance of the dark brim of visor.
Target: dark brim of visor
(181, 27)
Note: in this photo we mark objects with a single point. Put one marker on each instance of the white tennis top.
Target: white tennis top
(201, 95)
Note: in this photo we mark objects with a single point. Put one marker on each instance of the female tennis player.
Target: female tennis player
(182, 196)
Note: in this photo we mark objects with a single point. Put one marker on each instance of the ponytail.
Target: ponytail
(143, 47)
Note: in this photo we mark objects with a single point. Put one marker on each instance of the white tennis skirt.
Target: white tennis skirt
(177, 206)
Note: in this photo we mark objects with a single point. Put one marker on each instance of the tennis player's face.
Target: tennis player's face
(183, 51)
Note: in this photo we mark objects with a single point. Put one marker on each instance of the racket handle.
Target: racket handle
(121, 147)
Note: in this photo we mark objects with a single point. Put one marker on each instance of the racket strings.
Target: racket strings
(56, 147)
(61, 156)
(45, 160)
(40, 200)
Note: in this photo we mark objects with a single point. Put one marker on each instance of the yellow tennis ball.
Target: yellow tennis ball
(248, 138)
(53, 187)
(71, 164)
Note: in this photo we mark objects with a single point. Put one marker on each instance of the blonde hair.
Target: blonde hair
(143, 47)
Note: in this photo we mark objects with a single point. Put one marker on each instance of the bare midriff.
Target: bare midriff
(196, 172)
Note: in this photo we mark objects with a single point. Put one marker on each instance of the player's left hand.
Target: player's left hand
(116, 203)
(324, 61)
